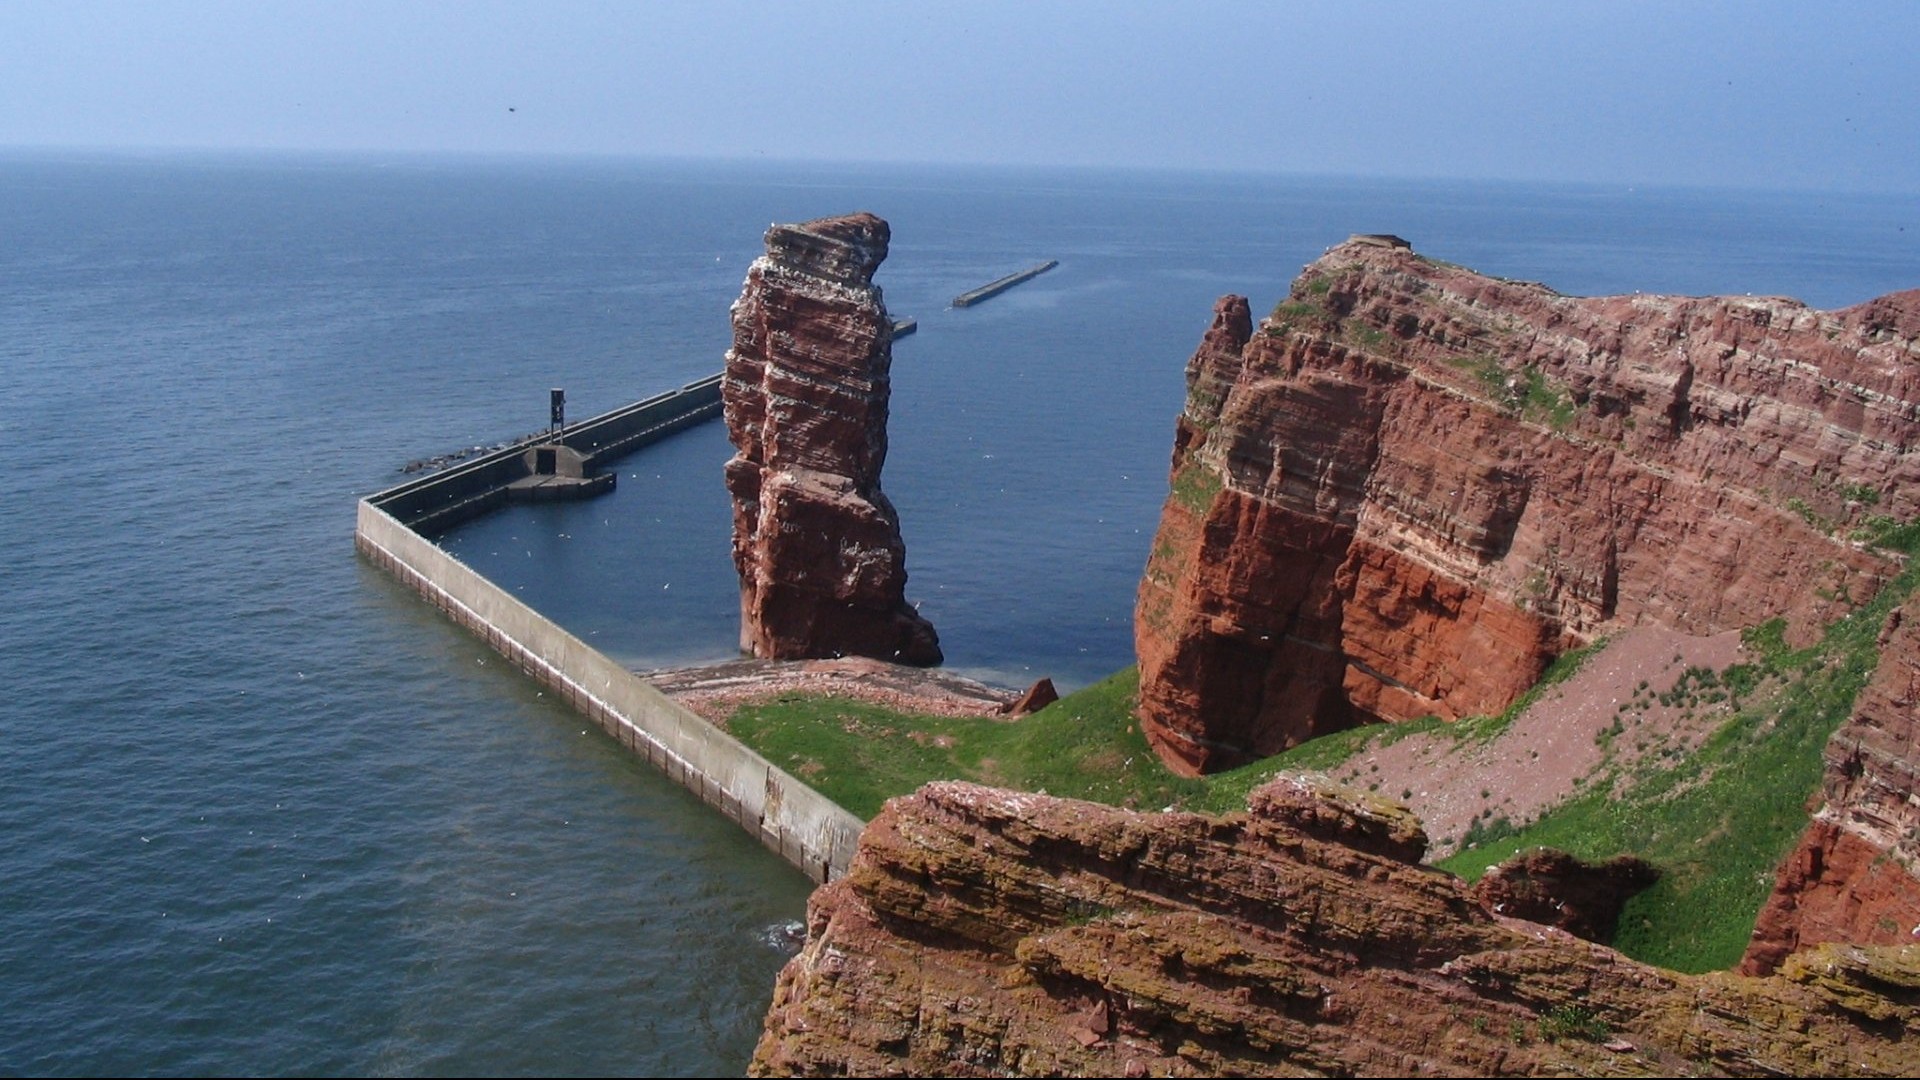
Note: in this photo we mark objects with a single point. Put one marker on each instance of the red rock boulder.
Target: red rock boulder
(1548, 886)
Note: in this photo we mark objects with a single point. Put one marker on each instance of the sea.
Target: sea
(264, 812)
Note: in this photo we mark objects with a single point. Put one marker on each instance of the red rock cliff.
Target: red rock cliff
(1413, 485)
(822, 566)
(989, 933)
(1856, 875)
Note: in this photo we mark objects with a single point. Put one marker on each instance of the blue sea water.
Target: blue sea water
(261, 811)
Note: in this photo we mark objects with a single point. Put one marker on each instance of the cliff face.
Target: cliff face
(1413, 485)
(817, 544)
(1856, 875)
(984, 932)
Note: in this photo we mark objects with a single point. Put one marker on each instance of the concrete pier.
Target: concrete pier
(994, 288)
(437, 502)
(559, 474)
(805, 827)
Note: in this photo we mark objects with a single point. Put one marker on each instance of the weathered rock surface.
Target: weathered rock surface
(984, 932)
(1411, 487)
(1855, 876)
(1038, 696)
(817, 543)
(1552, 887)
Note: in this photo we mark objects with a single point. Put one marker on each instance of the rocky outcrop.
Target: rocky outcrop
(1855, 876)
(1038, 696)
(817, 544)
(1412, 486)
(1547, 886)
(983, 932)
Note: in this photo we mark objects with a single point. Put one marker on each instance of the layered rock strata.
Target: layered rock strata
(1855, 876)
(817, 543)
(1413, 485)
(983, 932)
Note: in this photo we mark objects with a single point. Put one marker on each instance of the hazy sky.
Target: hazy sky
(1755, 93)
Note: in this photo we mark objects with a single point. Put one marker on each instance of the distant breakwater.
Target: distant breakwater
(999, 285)
(392, 528)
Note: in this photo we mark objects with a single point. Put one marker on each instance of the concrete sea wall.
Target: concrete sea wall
(805, 827)
(622, 431)
(444, 499)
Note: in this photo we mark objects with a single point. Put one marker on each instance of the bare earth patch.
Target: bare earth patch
(1558, 744)
(716, 691)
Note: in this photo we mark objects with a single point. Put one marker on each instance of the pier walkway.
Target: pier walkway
(994, 288)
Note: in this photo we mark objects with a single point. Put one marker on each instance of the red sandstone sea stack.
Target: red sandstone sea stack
(817, 544)
(1413, 485)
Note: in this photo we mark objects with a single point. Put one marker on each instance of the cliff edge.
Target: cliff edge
(1855, 876)
(985, 932)
(1413, 485)
(816, 542)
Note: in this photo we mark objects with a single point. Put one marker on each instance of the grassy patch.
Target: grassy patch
(1201, 400)
(1717, 822)
(1864, 494)
(1087, 745)
(1543, 400)
(1288, 314)
(1367, 337)
(1487, 371)
(1809, 515)
(1572, 1023)
(1487, 829)
(1882, 531)
(1195, 486)
(1528, 391)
